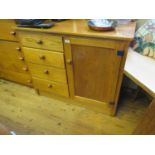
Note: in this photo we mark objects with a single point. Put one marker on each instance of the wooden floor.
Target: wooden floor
(24, 112)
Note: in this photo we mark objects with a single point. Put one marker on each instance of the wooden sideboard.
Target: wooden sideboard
(73, 61)
(12, 64)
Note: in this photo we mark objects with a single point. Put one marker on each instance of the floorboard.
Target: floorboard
(24, 112)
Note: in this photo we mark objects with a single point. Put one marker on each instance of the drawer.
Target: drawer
(41, 41)
(10, 50)
(17, 77)
(51, 87)
(48, 73)
(7, 31)
(44, 57)
(15, 66)
(11, 57)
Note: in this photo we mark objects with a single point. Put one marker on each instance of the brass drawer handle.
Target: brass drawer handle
(50, 86)
(42, 57)
(69, 61)
(21, 58)
(13, 33)
(25, 69)
(18, 49)
(46, 71)
(40, 42)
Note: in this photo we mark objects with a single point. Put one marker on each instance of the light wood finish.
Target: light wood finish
(7, 30)
(24, 112)
(51, 86)
(94, 60)
(120, 77)
(93, 70)
(48, 73)
(17, 77)
(12, 64)
(79, 27)
(11, 57)
(10, 49)
(147, 124)
(98, 106)
(44, 57)
(141, 70)
(41, 40)
(105, 43)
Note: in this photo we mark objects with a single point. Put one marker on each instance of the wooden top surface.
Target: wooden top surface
(79, 27)
(141, 70)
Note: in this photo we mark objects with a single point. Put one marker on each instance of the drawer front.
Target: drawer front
(17, 77)
(20, 67)
(48, 73)
(6, 30)
(41, 41)
(10, 50)
(51, 87)
(11, 57)
(44, 57)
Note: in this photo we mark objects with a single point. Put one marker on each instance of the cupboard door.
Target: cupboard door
(92, 69)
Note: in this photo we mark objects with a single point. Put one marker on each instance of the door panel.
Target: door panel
(95, 72)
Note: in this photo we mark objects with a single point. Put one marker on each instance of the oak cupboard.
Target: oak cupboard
(73, 61)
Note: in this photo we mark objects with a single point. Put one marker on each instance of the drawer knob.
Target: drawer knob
(42, 57)
(69, 61)
(29, 81)
(50, 86)
(21, 58)
(25, 68)
(13, 33)
(46, 71)
(18, 49)
(40, 42)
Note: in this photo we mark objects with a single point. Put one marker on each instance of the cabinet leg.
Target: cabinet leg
(37, 91)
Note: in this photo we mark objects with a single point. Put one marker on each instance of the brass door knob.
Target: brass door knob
(69, 61)
(21, 58)
(46, 71)
(42, 57)
(13, 33)
(18, 49)
(40, 42)
(50, 86)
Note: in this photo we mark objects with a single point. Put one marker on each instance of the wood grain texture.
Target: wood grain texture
(21, 78)
(44, 57)
(93, 71)
(41, 41)
(51, 86)
(120, 77)
(147, 124)
(79, 27)
(10, 57)
(24, 112)
(7, 31)
(48, 73)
